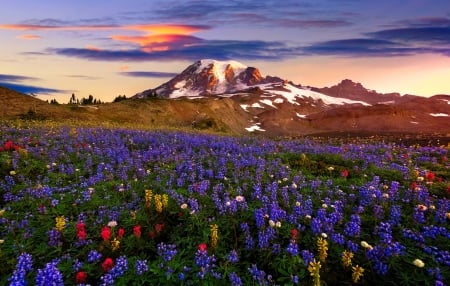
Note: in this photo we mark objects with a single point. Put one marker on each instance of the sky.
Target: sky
(53, 49)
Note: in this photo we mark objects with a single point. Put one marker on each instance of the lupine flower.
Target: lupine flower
(94, 256)
(60, 223)
(141, 267)
(233, 256)
(50, 275)
(357, 273)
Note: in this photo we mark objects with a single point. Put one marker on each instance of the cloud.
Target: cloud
(150, 74)
(83, 77)
(13, 82)
(221, 50)
(14, 78)
(29, 37)
(29, 89)
(428, 35)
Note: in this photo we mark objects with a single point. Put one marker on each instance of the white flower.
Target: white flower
(228, 203)
(307, 216)
(112, 223)
(184, 206)
(324, 235)
(278, 224)
(2, 211)
(366, 245)
(420, 179)
(419, 263)
(432, 207)
(297, 204)
(12, 173)
(2, 241)
(294, 185)
(271, 223)
(324, 206)
(331, 168)
(240, 198)
(386, 196)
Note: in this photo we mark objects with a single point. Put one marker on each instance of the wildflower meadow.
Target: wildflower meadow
(99, 206)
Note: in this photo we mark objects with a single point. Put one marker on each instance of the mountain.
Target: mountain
(280, 107)
(210, 77)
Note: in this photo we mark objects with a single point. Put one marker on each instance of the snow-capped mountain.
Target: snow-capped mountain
(283, 108)
(210, 77)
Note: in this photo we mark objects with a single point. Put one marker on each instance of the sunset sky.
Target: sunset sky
(109, 48)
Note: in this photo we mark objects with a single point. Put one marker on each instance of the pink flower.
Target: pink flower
(120, 233)
(344, 173)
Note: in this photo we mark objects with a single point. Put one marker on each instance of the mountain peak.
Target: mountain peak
(210, 77)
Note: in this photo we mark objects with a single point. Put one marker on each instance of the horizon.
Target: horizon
(107, 49)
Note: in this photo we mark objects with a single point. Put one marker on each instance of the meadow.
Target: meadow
(110, 206)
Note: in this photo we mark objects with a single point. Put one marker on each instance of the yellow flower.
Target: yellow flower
(148, 197)
(115, 243)
(322, 246)
(347, 258)
(133, 215)
(2, 212)
(214, 235)
(60, 223)
(158, 203)
(314, 271)
(357, 273)
(165, 200)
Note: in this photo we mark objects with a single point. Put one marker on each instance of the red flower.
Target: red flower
(80, 226)
(202, 247)
(294, 233)
(107, 264)
(81, 234)
(137, 231)
(106, 233)
(413, 186)
(159, 227)
(120, 233)
(152, 234)
(80, 277)
(430, 176)
(345, 173)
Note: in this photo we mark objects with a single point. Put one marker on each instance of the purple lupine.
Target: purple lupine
(24, 264)
(235, 280)
(232, 256)
(166, 251)
(94, 256)
(54, 238)
(50, 275)
(141, 267)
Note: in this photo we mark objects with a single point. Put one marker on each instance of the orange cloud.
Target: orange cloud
(92, 48)
(167, 29)
(29, 37)
(124, 68)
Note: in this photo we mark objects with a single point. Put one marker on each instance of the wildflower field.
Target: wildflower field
(98, 206)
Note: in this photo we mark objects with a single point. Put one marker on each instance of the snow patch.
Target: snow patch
(180, 84)
(278, 100)
(414, 122)
(268, 102)
(439, 114)
(300, 115)
(255, 127)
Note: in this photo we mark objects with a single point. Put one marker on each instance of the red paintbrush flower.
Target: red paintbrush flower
(107, 264)
(202, 247)
(80, 277)
(137, 231)
(106, 233)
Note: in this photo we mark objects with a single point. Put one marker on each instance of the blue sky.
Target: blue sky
(108, 48)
